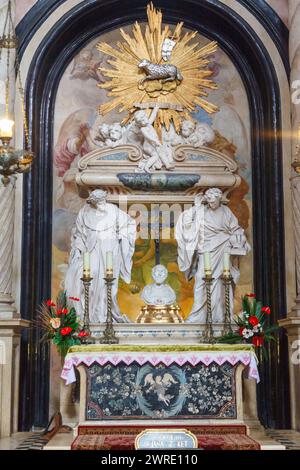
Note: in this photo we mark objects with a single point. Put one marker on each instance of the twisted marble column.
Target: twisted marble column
(7, 194)
(7, 214)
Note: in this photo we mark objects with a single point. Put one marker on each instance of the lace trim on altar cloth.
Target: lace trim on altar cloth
(154, 355)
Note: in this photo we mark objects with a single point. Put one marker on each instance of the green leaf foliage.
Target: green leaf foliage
(70, 319)
(259, 331)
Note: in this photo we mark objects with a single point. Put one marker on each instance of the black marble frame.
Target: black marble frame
(216, 21)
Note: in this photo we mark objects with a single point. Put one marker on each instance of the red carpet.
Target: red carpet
(122, 437)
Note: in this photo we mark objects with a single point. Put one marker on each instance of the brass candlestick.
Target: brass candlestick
(109, 335)
(208, 336)
(86, 279)
(227, 280)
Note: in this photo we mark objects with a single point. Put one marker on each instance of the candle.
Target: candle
(226, 262)
(86, 262)
(207, 264)
(109, 261)
(6, 128)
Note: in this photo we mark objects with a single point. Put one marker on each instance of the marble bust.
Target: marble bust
(158, 293)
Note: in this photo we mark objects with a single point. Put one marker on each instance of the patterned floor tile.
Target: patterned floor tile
(287, 437)
(34, 442)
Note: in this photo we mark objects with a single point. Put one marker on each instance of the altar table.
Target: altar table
(160, 382)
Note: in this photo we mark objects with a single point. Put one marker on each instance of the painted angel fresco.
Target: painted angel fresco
(86, 66)
(74, 140)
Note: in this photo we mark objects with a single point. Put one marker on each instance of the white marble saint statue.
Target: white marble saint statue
(100, 228)
(158, 293)
(209, 227)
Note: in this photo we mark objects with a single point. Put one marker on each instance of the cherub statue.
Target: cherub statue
(156, 153)
(110, 135)
(115, 135)
(103, 134)
(197, 134)
(203, 134)
(187, 129)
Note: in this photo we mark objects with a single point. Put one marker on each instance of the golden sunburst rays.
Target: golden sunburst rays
(177, 98)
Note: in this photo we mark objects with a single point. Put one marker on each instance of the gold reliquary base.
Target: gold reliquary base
(160, 314)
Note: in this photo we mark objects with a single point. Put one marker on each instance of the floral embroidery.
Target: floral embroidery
(161, 391)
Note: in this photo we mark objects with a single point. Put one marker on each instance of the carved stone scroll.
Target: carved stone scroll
(196, 169)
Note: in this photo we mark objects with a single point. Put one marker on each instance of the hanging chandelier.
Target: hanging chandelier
(12, 161)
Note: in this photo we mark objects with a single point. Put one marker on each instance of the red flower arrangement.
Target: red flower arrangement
(252, 323)
(257, 341)
(65, 331)
(83, 334)
(266, 310)
(60, 323)
(62, 311)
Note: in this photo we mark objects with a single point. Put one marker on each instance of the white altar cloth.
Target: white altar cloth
(193, 354)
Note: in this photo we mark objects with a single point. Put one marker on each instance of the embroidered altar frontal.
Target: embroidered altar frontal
(160, 391)
(198, 382)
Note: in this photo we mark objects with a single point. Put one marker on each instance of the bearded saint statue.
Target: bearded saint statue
(100, 228)
(209, 227)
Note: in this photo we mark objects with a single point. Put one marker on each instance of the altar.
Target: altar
(157, 249)
(161, 382)
(140, 259)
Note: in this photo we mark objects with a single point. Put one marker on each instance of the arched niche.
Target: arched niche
(217, 21)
